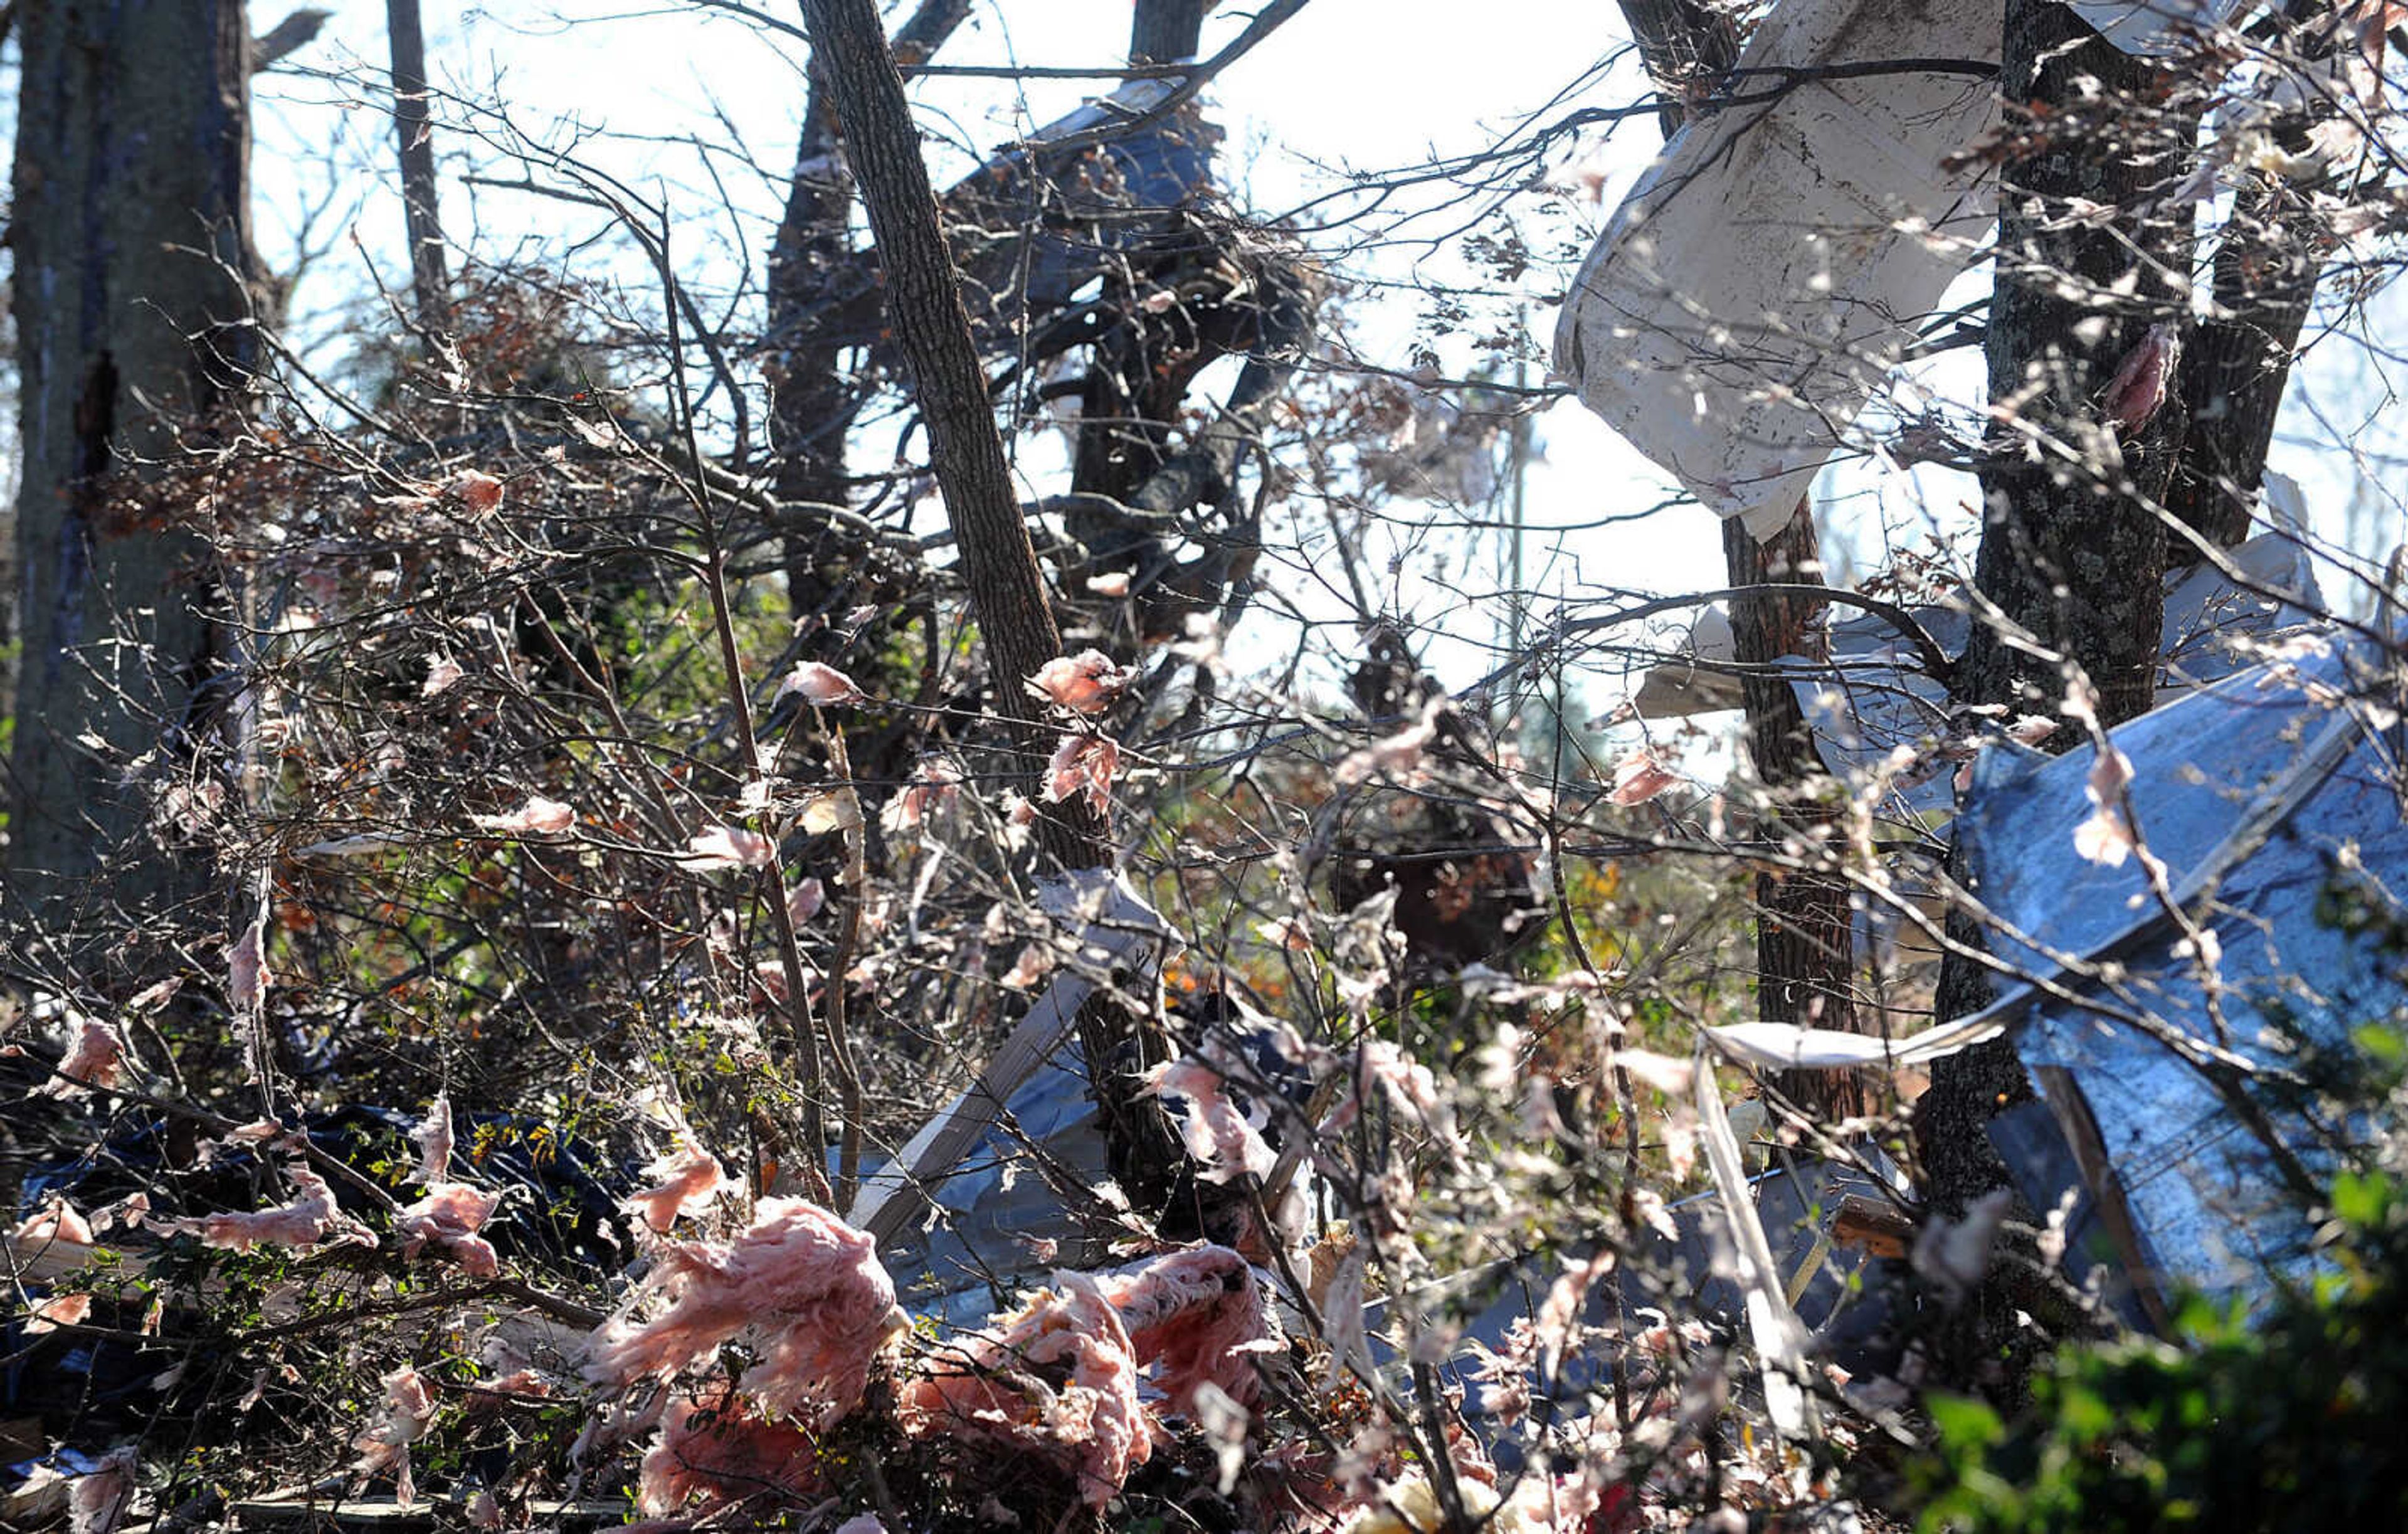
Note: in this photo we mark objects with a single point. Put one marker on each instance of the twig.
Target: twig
(834, 1013)
(558, 1308)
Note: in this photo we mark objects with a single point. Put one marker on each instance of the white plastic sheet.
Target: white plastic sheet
(1756, 286)
(1786, 1046)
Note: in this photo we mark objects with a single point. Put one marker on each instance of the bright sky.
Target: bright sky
(1373, 84)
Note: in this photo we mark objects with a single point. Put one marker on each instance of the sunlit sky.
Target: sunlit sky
(643, 91)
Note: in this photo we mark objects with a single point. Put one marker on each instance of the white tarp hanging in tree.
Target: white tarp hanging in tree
(1758, 282)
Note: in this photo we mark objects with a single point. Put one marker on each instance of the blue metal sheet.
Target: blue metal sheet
(1872, 694)
(2304, 752)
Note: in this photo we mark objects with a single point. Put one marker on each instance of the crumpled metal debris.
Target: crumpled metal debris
(1026, 242)
(1118, 935)
(1870, 695)
(2273, 800)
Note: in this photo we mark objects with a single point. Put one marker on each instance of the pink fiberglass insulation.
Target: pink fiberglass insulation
(1225, 1145)
(95, 1058)
(1197, 1317)
(128, 1211)
(96, 1503)
(690, 1180)
(1083, 764)
(1085, 682)
(384, 1442)
(1086, 1416)
(58, 1311)
(450, 1215)
(517, 1387)
(304, 1222)
(715, 1449)
(55, 1221)
(806, 1285)
(247, 974)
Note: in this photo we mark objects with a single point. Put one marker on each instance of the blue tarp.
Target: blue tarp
(1870, 695)
(985, 1237)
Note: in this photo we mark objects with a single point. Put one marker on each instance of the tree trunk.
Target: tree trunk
(132, 271)
(413, 127)
(1130, 404)
(810, 408)
(1165, 31)
(2234, 370)
(1805, 931)
(1131, 478)
(812, 266)
(998, 562)
(1685, 45)
(924, 308)
(2073, 548)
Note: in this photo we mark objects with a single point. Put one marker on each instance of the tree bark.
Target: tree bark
(810, 408)
(1685, 46)
(1133, 480)
(2072, 550)
(923, 305)
(1805, 929)
(288, 36)
(413, 127)
(2235, 369)
(1165, 31)
(132, 289)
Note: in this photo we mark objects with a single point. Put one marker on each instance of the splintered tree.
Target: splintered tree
(131, 291)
